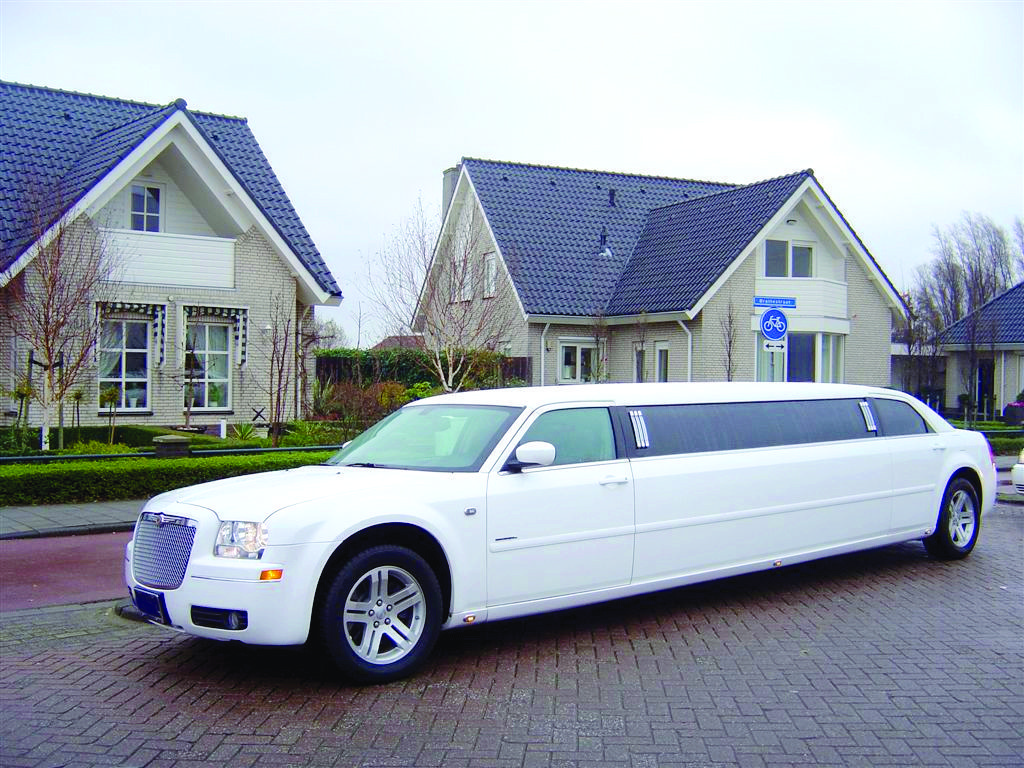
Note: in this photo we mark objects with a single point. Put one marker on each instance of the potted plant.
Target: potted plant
(1013, 413)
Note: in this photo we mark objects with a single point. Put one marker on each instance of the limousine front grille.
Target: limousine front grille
(161, 549)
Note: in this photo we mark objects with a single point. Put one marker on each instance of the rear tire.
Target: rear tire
(382, 614)
(956, 530)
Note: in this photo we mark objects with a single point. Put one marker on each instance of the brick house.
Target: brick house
(212, 261)
(619, 277)
(993, 338)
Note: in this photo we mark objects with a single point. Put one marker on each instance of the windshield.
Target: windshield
(440, 438)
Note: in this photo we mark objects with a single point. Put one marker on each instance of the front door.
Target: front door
(564, 528)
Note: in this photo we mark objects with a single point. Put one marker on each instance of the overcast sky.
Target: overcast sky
(909, 113)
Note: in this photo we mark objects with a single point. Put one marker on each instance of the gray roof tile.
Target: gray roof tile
(585, 243)
(1002, 317)
(64, 142)
(685, 247)
(567, 234)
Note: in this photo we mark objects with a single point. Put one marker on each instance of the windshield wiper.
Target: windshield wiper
(361, 464)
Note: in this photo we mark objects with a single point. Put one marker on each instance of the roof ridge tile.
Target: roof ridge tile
(596, 171)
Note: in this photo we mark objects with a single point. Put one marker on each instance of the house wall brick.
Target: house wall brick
(264, 288)
(710, 346)
(869, 344)
(178, 214)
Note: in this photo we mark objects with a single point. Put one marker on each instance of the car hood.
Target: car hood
(255, 497)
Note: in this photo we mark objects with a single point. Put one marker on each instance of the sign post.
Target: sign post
(774, 326)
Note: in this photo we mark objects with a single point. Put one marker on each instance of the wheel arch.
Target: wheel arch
(394, 534)
(971, 476)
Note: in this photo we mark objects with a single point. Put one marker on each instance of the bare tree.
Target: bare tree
(281, 353)
(919, 330)
(397, 275)
(314, 333)
(1018, 237)
(599, 363)
(729, 326)
(973, 263)
(50, 305)
(463, 302)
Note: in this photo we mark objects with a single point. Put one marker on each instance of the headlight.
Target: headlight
(241, 540)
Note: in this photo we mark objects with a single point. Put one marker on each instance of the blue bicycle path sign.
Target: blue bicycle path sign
(774, 324)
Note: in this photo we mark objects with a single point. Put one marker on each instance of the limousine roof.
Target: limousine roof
(662, 393)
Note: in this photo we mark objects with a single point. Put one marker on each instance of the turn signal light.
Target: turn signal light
(272, 574)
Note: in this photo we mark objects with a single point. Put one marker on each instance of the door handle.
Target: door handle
(613, 480)
(938, 447)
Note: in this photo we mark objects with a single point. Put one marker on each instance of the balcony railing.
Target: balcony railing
(168, 259)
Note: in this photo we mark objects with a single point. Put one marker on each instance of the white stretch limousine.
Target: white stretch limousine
(486, 505)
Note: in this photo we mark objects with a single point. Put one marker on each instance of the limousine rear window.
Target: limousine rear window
(698, 428)
(438, 438)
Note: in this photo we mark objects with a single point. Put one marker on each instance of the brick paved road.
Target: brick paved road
(879, 658)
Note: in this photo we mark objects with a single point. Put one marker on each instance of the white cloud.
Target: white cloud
(908, 112)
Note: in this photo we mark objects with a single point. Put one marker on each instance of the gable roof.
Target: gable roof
(685, 247)
(1003, 316)
(589, 243)
(402, 342)
(567, 234)
(66, 142)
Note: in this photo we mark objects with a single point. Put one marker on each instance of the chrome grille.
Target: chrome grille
(161, 550)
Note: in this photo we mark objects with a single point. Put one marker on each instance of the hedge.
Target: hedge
(1006, 446)
(113, 479)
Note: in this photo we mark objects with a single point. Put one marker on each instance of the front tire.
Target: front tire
(956, 530)
(382, 614)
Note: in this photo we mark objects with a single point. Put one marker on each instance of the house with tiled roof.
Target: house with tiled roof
(993, 337)
(611, 276)
(209, 259)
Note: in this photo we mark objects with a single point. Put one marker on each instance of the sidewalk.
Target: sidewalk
(106, 516)
(68, 519)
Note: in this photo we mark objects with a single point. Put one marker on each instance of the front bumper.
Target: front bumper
(1017, 477)
(227, 597)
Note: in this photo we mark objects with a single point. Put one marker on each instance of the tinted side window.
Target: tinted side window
(730, 426)
(578, 434)
(898, 418)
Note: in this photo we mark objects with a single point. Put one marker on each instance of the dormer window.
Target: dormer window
(785, 259)
(145, 216)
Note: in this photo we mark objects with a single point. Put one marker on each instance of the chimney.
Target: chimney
(451, 178)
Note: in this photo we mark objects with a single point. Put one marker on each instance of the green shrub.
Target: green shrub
(1006, 446)
(422, 389)
(244, 430)
(103, 480)
(303, 433)
(96, 447)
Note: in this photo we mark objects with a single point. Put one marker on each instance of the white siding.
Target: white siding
(814, 297)
(160, 259)
(177, 214)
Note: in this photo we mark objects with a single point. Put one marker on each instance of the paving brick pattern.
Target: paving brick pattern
(883, 658)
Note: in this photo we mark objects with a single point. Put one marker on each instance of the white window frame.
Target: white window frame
(831, 358)
(790, 245)
(123, 382)
(824, 370)
(579, 345)
(161, 190)
(490, 275)
(203, 379)
(661, 360)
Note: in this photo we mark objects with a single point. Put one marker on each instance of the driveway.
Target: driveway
(871, 659)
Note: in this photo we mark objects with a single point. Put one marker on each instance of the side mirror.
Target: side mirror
(533, 454)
